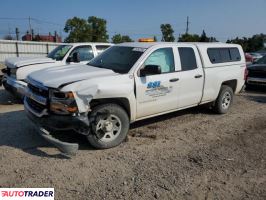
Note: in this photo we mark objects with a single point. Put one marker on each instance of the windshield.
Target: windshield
(59, 52)
(261, 60)
(117, 58)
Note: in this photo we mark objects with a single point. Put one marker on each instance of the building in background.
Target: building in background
(41, 38)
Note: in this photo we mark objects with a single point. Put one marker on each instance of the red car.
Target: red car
(249, 58)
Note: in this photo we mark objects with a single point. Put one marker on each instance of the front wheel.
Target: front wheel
(109, 126)
(224, 100)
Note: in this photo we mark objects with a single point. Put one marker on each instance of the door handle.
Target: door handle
(174, 80)
(198, 76)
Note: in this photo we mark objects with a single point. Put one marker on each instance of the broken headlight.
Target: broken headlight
(62, 103)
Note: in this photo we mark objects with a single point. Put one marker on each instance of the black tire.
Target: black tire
(224, 100)
(99, 116)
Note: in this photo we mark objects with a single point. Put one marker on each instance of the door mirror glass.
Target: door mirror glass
(150, 70)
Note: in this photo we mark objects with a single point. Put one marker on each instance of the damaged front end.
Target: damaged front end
(52, 109)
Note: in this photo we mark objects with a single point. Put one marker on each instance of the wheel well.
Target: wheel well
(231, 83)
(123, 102)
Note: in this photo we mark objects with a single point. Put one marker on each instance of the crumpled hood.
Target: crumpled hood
(63, 75)
(17, 62)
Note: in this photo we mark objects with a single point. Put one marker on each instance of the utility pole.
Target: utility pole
(30, 31)
(187, 29)
(17, 34)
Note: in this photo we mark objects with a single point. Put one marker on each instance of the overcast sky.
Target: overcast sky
(223, 19)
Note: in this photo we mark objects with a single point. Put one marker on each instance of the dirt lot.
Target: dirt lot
(192, 154)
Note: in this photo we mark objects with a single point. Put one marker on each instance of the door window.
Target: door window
(85, 53)
(164, 58)
(187, 58)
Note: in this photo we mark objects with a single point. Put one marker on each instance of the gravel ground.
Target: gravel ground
(191, 154)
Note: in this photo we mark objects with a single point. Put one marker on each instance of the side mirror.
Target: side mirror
(150, 70)
(76, 57)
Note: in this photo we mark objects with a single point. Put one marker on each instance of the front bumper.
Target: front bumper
(64, 147)
(16, 87)
(57, 122)
(256, 81)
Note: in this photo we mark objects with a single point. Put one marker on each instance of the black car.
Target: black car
(257, 73)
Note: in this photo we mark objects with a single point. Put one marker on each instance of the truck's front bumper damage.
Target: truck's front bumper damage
(57, 122)
(65, 147)
(14, 86)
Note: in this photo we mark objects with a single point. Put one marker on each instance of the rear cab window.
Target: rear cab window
(222, 55)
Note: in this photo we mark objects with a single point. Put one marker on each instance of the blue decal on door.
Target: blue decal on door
(154, 84)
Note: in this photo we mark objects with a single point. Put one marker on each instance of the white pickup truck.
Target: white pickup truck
(17, 68)
(131, 82)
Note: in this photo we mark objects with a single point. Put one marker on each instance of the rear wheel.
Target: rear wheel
(109, 126)
(224, 100)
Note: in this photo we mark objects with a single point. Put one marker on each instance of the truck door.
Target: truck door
(191, 77)
(157, 93)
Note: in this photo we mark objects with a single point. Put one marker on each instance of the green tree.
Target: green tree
(155, 38)
(189, 38)
(98, 29)
(78, 29)
(196, 38)
(255, 43)
(118, 38)
(167, 32)
(213, 39)
(203, 37)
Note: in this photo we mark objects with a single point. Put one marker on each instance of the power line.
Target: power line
(40, 21)
(12, 18)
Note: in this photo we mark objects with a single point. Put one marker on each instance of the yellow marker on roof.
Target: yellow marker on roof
(146, 40)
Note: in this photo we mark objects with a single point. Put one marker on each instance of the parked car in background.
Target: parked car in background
(130, 82)
(17, 68)
(255, 56)
(257, 73)
(249, 58)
